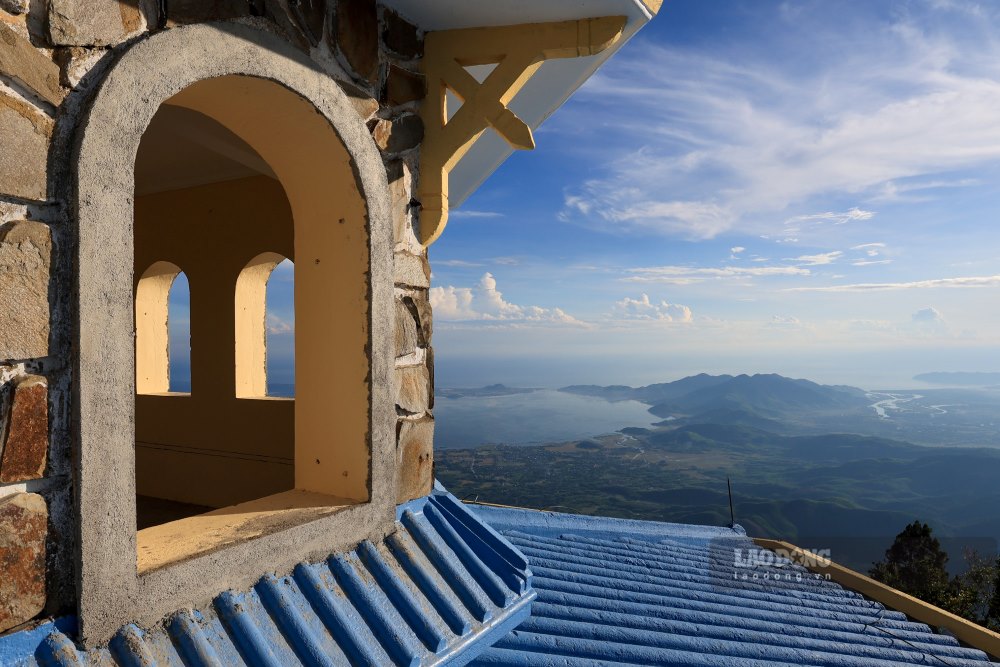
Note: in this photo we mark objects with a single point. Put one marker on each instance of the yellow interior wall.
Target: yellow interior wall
(332, 368)
(210, 447)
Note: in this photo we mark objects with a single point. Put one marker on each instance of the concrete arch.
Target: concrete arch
(299, 121)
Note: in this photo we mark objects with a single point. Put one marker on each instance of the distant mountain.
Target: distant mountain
(651, 394)
(960, 379)
(764, 395)
(752, 400)
(482, 392)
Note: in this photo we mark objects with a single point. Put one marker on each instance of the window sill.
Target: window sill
(187, 538)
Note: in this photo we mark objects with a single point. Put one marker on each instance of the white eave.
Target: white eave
(551, 86)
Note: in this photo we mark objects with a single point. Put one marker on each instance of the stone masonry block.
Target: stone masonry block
(402, 86)
(198, 11)
(26, 446)
(24, 136)
(411, 270)
(413, 389)
(415, 462)
(23, 525)
(357, 36)
(425, 320)
(407, 336)
(400, 134)
(22, 61)
(363, 103)
(93, 22)
(25, 258)
(401, 37)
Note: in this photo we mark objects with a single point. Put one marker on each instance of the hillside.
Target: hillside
(855, 492)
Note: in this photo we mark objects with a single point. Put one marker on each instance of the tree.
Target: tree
(972, 593)
(915, 564)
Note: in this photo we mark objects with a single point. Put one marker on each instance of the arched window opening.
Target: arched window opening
(179, 335)
(162, 331)
(265, 328)
(280, 322)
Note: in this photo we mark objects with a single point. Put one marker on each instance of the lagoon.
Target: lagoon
(543, 415)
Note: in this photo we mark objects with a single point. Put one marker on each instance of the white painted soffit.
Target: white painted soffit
(551, 86)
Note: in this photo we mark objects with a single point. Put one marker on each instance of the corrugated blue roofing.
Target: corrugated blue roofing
(618, 592)
(437, 591)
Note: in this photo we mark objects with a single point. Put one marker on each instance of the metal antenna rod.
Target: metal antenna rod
(732, 515)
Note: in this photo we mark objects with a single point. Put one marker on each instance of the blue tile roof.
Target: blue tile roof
(618, 592)
(437, 591)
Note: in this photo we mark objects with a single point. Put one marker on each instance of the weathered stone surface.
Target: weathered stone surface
(23, 523)
(415, 465)
(25, 257)
(401, 189)
(400, 134)
(421, 307)
(363, 103)
(22, 61)
(75, 61)
(25, 450)
(14, 6)
(402, 86)
(93, 22)
(24, 135)
(412, 270)
(401, 37)
(310, 16)
(279, 12)
(197, 11)
(413, 389)
(357, 36)
(407, 337)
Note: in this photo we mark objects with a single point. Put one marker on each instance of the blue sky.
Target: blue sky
(807, 188)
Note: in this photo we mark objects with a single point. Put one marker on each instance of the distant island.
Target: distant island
(960, 379)
(482, 392)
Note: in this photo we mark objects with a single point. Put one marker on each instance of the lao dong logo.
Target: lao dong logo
(735, 562)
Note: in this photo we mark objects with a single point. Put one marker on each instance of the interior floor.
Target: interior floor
(151, 511)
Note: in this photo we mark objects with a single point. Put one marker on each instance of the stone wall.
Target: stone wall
(52, 55)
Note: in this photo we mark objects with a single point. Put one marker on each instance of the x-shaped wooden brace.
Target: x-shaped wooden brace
(518, 52)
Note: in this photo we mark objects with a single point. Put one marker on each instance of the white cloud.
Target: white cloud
(623, 209)
(457, 214)
(485, 303)
(868, 247)
(731, 137)
(735, 251)
(837, 218)
(459, 263)
(871, 262)
(972, 281)
(928, 321)
(817, 260)
(928, 315)
(785, 322)
(644, 309)
(277, 325)
(685, 275)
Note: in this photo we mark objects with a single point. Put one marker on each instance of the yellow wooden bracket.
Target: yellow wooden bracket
(518, 51)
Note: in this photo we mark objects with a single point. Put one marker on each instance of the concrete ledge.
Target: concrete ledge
(966, 631)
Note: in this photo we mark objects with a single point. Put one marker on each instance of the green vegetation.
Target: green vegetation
(804, 489)
(916, 564)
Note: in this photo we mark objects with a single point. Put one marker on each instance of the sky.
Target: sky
(807, 188)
